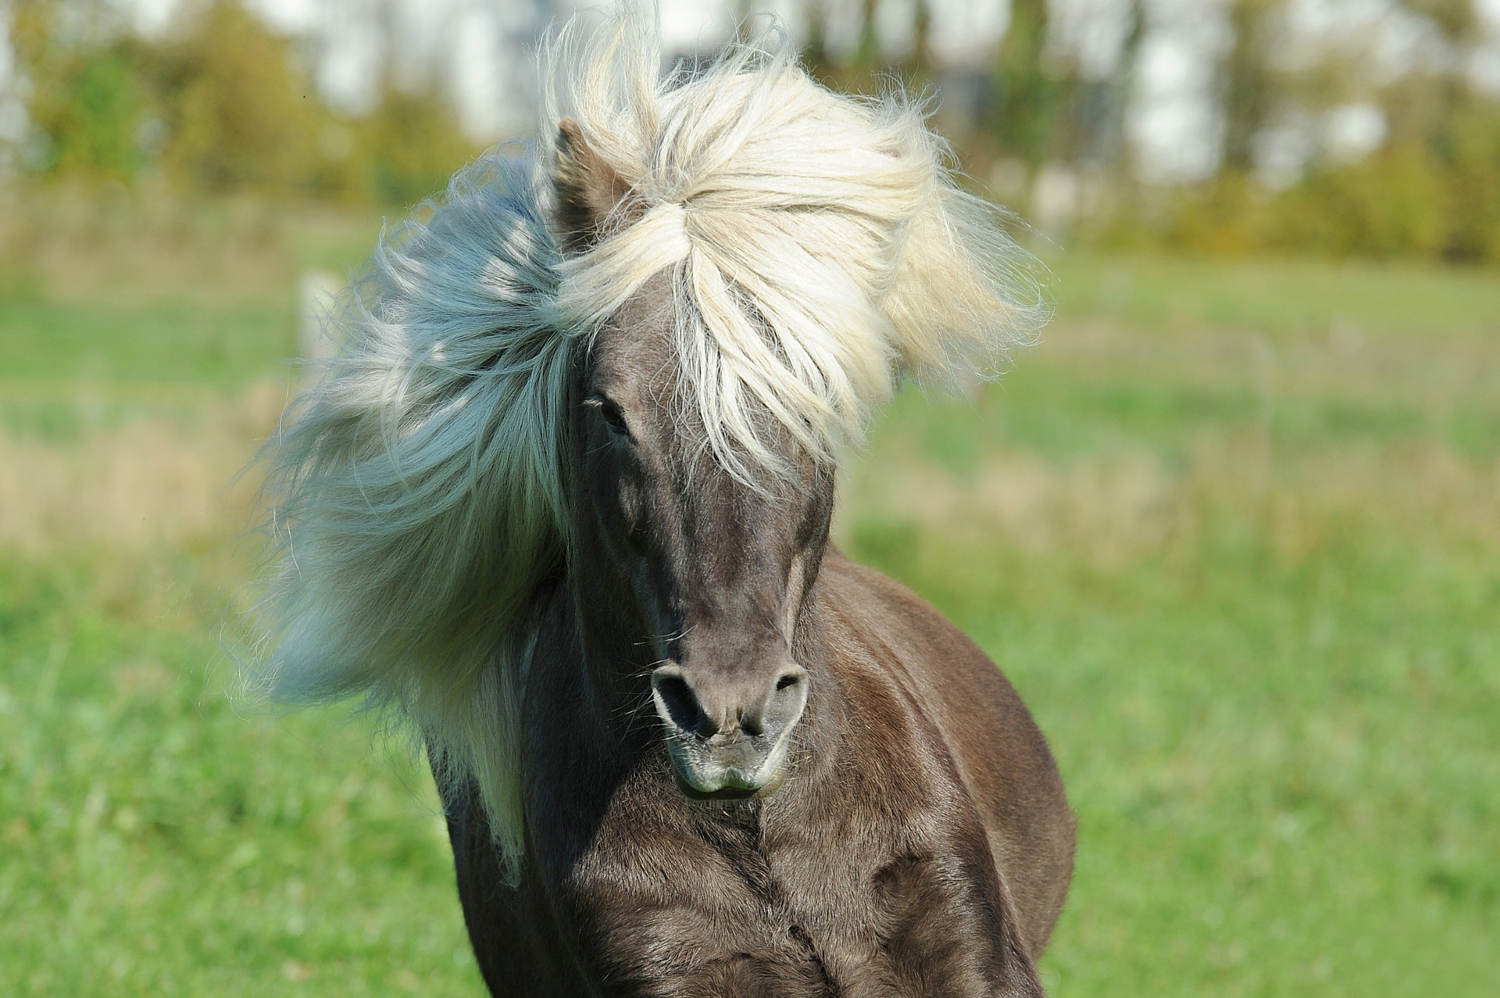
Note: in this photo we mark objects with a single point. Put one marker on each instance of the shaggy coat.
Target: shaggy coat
(923, 847)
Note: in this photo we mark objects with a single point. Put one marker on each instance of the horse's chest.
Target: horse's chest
(735, 914)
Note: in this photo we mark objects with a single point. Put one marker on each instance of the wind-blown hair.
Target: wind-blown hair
(818, 243)
(819, 248)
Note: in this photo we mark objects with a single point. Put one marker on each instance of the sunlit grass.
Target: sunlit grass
(1234, 531)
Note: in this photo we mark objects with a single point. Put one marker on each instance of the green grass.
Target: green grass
(1233, 530)
(158, 842)
(1283, 300)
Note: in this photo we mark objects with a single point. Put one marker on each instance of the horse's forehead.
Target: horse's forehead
(635, 352)
(635, 360)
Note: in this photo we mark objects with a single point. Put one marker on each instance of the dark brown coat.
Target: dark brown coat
(924, 849)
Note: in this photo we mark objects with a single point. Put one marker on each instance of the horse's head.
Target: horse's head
(712, 555)
(713, 567)
(750, 261)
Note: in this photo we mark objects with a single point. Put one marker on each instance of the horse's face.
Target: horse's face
(717, 572)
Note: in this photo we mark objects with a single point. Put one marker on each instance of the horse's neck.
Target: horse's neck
(611, 653)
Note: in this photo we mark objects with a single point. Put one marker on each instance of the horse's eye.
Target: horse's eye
(610, 412)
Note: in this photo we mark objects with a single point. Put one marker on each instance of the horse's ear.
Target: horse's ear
(588, 189)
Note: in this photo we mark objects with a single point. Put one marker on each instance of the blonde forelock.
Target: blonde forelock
(822, 239)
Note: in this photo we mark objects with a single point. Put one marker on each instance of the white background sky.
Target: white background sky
(482, 45)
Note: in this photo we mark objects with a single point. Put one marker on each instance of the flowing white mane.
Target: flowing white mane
(819, 248)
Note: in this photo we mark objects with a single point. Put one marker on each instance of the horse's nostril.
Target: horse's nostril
(681, 705)
(790, 679)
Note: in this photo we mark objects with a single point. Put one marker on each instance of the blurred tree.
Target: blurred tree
(238, 108)
(409, 145)
(1456, 20)
(1440, 124)
(1248, 78)
(869, 67)
(815, 55)
(87, 101)
(1472, 184)
(221, 103)
(1386, 205)
(224, 103)
(1031, 94)
(1431, 187)
(1111, 147)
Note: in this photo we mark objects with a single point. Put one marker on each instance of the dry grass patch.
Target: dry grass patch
(1111, 510)
(151, 481)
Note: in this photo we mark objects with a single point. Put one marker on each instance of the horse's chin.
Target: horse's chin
(761, 792)
(701, 775)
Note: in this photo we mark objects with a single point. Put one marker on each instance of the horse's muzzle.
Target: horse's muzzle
(729, 737)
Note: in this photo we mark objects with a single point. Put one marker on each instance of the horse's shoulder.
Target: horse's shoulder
(876, 625)
(869, 608)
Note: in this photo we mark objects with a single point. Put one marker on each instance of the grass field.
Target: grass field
(1233, 530)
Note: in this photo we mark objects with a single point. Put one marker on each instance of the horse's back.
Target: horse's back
(1002, 756)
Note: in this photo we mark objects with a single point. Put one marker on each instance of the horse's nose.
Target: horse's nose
(729, 731)
(708, 706)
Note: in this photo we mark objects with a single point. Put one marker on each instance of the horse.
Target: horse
(562, 500)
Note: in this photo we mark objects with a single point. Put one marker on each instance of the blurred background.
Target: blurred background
(1233, 527)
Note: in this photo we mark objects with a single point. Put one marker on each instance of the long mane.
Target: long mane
(819, 248)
